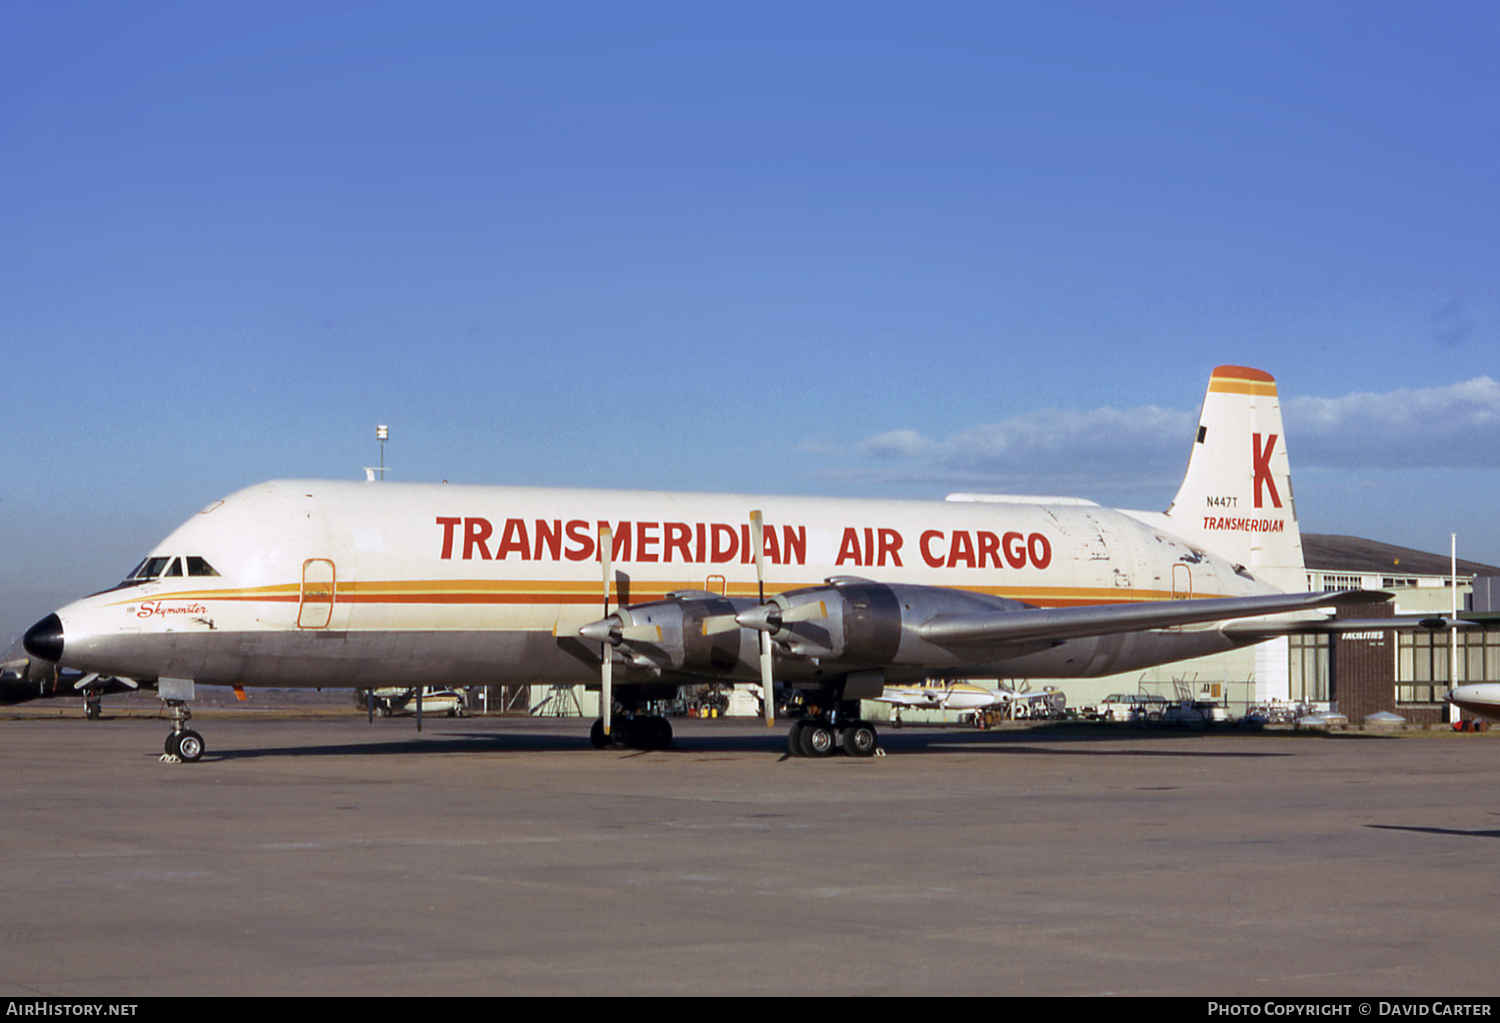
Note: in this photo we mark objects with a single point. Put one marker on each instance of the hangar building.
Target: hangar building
(1358, 673)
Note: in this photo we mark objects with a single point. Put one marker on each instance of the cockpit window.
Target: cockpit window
(169, 567)
(151, 568)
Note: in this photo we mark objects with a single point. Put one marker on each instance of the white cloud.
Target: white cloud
(1109, 450)
(1430, 427)
(897, 444)
(1097, 450)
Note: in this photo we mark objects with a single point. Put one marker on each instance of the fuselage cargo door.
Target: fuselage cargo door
(315, 603)
(1182, 582)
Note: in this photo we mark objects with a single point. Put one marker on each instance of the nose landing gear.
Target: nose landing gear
(183, 745)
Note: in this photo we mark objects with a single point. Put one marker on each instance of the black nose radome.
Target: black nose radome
(45, 639)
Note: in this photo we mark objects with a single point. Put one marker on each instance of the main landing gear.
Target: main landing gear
(823, 735)
(183, 744)
(639, 732)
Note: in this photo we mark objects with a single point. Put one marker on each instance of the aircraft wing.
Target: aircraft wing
(1337, 626)
(898, 697)
(1049, 624)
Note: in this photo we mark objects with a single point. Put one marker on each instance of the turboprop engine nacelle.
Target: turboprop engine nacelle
(858, 621)
(691, 631)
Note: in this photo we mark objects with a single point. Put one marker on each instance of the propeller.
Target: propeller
(768, 616)
(771, 617)
(610, 630)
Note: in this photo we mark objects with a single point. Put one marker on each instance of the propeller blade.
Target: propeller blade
(715, 624)
(641, 634)
(806, 612)
(606, 686)
(767, 679)
(607, 654)
(758, 542)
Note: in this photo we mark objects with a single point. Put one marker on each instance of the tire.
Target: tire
(190, 747)
(633, 733)
(817, 740)
(859, 739)
(794, 739)
(658, 733)
(596, 734)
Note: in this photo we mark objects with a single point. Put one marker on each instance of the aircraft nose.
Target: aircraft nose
(44, 640)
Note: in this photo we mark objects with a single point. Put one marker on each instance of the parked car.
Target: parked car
(1129, 707)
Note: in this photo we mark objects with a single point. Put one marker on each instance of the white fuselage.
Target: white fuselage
(359, 584)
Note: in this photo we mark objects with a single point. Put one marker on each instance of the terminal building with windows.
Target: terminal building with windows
(1405, 673)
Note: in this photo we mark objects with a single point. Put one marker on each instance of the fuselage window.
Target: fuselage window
(198, 566)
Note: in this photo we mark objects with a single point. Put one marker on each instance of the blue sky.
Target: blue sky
(861, 249)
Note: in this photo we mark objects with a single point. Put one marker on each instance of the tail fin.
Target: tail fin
(1236, 498)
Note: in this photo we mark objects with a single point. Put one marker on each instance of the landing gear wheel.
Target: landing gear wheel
(183, 744)
(190, 746)
(91, 710)
(859, 739)
(817, 740)
(794, 738)
(658, 733)
(596, 734)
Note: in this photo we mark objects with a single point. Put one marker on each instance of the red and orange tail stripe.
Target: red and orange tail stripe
(1242, 380)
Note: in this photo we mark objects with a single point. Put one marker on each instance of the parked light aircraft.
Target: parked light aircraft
(369, 584)
(1482, 698)
(432, 700)
(947, 694)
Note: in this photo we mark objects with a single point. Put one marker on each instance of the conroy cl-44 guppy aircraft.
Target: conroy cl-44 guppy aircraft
(329, 584)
